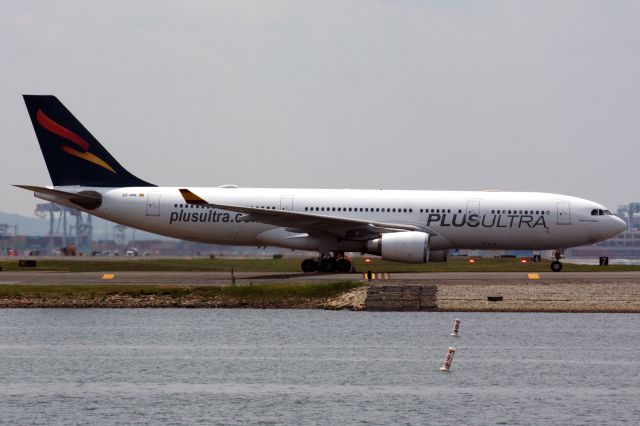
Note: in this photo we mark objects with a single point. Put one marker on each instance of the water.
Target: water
(315, 367)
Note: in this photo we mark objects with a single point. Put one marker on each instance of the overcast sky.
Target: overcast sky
(525, 96)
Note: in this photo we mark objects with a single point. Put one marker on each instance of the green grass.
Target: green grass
(264, 293)
(168, 265)
(293, 265)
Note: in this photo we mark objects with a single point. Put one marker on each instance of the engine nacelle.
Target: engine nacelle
(408, 247)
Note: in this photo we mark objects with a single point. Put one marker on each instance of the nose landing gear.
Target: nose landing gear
(556, 265)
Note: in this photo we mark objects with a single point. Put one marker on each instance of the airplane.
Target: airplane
(408, 226)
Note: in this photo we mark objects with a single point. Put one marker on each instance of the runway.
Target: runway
(245, 278)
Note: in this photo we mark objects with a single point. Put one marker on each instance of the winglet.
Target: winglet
(192, 198)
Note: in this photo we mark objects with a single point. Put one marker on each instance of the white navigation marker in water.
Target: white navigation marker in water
(448, 360)
(456, 328)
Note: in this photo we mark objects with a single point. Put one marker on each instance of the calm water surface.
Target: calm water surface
(165, 366)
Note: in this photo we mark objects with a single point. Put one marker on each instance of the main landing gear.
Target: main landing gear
(327, 264)
(556, 265)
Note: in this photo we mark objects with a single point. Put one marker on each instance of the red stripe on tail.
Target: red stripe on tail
(59, 130)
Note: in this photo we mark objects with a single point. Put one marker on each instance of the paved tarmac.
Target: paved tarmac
(245, 278)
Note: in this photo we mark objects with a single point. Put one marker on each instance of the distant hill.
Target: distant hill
(102, 229)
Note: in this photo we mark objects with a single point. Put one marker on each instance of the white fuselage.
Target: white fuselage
(459, 219)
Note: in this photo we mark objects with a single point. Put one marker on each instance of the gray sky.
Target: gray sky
(526, 96)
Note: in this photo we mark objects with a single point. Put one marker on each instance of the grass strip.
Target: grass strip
(263, 293)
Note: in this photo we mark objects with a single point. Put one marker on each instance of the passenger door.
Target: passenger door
(473, 207)
(286, 203)
(153, 205)
(564, 213)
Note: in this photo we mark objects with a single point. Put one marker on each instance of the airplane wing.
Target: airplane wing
(310, 223)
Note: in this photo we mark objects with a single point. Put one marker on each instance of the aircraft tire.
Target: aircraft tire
(556, 266)
(328, 265)
(309, 265)
(343, 265)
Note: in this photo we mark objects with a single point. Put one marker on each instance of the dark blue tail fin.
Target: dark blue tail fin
(72, 154)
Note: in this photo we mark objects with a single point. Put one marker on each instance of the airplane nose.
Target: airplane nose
(619, 225)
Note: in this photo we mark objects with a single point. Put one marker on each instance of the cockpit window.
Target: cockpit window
(600, 212)
(594, 212)
(608, 212)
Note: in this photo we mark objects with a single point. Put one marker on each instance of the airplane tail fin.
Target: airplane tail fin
(72, 154)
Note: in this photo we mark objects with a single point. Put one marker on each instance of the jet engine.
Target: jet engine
(408, 247)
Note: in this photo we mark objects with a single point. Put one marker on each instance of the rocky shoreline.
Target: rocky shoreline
(540, 296)
(148, 301)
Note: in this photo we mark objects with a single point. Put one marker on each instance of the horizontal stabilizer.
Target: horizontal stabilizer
(89, 200)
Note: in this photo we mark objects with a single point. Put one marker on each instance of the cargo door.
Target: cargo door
(153, 205)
